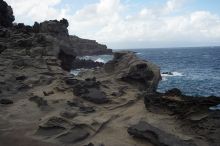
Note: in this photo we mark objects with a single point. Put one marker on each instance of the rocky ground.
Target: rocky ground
(41, 104)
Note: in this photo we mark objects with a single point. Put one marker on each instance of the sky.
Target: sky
(124, 24)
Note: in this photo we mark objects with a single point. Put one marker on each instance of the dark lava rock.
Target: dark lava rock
(6, 14)
(174, 92)
(96, 96)
(54, 27)
(71, 81)
(156, 136)
(89, 90)
(66, 60)
(76, 134)
(192, 112)
(39, 101)
(82, 86)
(86, 64)
(6, 101)
(21, 78)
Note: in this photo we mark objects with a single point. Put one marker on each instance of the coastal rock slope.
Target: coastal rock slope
(41, 104)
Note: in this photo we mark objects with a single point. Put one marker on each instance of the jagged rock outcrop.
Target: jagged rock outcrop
(129, 68)
(156, 136)
(6, 14)
(53, 27)
(193, 113)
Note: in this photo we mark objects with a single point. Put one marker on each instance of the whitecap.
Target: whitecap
(100, 60)
(214, 108)
(75, 72)
(172, 74)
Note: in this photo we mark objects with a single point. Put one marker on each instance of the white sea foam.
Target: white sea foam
(100, 60)
(172, 74)
(214, 108)
(75, 72)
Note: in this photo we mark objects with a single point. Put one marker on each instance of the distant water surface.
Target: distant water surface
(196, 71)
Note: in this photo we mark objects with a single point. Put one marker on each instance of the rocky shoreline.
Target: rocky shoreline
(112, 104)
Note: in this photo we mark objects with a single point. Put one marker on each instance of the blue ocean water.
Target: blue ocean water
(196, 71)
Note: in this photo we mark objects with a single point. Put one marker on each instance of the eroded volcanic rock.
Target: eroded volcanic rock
(90, 90)
(192, 112)
(156, 136)
(129, 68)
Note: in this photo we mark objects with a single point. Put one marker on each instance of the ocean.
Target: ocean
(195, 71)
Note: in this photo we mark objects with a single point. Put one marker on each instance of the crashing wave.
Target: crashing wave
(100, 60)
(171, 74)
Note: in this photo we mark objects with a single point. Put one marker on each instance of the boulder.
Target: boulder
(156, 136)
(129, 68)
(6, 14)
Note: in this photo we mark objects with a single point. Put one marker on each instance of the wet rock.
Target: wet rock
(174, 92)
(39, 101)
(156, 136)
(6, 101)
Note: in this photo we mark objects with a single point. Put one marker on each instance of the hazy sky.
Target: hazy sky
(131, 23)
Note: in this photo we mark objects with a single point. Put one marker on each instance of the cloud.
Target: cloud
(32, 10)
(111, 22)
